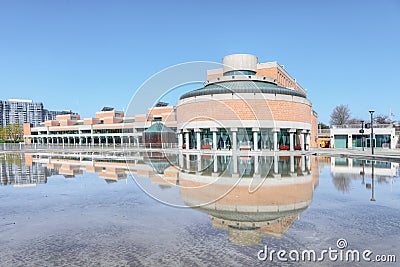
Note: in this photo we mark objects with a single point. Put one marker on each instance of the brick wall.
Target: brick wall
(314, 130)
(244, 110)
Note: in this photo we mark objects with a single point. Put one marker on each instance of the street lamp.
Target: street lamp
(372, 131)
(373, 182)
(362, 135)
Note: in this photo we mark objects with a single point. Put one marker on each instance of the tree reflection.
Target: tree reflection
(341, 182)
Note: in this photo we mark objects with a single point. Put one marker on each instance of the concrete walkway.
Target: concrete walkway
(380, 154)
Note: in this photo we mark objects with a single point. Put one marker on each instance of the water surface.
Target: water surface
(113, 210)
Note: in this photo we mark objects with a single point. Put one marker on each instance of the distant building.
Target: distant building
(16, 172)
(349, 136)
(20, 111)
(50, 115)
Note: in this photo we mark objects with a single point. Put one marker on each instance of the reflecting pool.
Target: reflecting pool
(177, 209)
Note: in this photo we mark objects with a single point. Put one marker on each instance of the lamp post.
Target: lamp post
(362, 135)
(372, 131)
(373, 182)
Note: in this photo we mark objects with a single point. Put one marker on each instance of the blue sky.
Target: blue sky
(83, 55)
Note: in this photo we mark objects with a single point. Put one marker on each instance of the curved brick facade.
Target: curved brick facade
(223, 115)
(242, 109)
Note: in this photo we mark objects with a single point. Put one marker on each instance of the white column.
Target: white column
(199, 167)
(349, 141)
(291, 164)
(187, 162)
(291, 134)
(393, 139)
(275, 131)
(198, 141)
(308, 140)
(215, 164)
(235, 164)
(276, 165)
(256, 166)
(214, 132)
(180, 140)
(255, 138)
(302, 143)
(181, 165)
(234, 138)
(187, 140)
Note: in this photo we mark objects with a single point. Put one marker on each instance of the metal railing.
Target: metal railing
(24, 147)
(359, 126)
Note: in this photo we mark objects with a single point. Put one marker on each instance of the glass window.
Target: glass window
(382, 140)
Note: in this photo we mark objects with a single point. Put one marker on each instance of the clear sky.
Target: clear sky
(83, 55)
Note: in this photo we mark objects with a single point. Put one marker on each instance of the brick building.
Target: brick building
(247, 105)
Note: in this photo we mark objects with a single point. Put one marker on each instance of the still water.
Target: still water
(137, 209)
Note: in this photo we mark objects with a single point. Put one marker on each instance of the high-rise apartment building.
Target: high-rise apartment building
(18, 111)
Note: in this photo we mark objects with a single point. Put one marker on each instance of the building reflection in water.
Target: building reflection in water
(14, 171)
(32, 169)
(344, 171)
(249, 197)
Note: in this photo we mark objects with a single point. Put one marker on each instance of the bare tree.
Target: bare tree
(354, 121)
(342, 183)
(340, 115)
(382, 119)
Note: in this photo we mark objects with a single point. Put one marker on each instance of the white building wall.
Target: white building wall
(367, 133)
